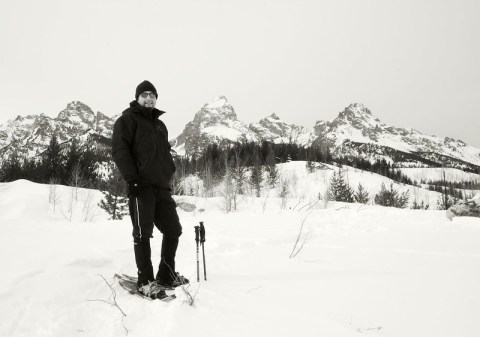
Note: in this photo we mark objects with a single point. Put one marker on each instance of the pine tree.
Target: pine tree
(391, 197)
(11, 168)
(273, 174)
(114, 201)
(417, 205)
(339, 189)
(361, 195)
(88, 164)
(446, 199)
(72, 160)
(256, 177)
(52, 159)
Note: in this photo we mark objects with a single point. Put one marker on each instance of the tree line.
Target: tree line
(60, 161)
(436, 185)
(65, 164)
(71, 162)
(217, 157)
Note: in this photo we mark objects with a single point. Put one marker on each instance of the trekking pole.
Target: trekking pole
(202, 240)
(197, 233)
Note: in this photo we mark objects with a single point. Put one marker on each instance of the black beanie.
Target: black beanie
(145, 86)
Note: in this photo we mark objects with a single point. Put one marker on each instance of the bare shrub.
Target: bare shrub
(284, 191)
(301, 239)
(76, 179)
(53, 194)
(190, 296)
(113, 302)
(89, 210)
(265, 198)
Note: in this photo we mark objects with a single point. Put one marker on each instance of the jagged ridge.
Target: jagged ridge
(28, 136)
(355, 132)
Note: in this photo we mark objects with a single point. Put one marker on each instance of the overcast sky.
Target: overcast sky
(414, 64)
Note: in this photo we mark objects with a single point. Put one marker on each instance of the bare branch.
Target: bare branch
(113, 303)
(114, 296)
(296, 247)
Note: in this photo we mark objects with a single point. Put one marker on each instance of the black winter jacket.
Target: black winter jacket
(140, 147)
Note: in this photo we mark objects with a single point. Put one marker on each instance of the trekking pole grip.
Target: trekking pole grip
(197, 233)
(202, 232)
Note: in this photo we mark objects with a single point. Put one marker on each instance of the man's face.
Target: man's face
(147, 99)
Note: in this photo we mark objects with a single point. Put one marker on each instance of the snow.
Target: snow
(307, 186)
(434, 174)
(180, 150)
(217, 103)
(364, 270)
(224, 131)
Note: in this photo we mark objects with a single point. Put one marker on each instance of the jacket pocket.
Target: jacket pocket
(145, 149)
(143, 164)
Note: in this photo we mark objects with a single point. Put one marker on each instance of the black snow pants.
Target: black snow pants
(154, 206)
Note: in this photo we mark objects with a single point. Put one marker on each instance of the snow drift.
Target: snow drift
(362, 269)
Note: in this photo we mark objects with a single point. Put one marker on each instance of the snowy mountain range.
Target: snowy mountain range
(217, 122)
(357, 133)
(28, 136)
(354, 133)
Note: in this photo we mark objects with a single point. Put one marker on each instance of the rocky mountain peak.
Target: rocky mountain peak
(19, 119)
(216, 111)
(78, 114)
(358, 116)
(273, 122)
(358, 108)
(77, 107)
(274, 116)
(217, 103)
(273, 129)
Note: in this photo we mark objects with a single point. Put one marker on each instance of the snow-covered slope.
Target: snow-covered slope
(436, 174)
(311, 187)
(362, 270)
(273, 129)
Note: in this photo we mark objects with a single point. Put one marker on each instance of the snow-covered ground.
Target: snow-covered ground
(308, 187)
(436, 174)
(362, 270)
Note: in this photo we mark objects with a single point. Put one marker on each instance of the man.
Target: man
(141, 152)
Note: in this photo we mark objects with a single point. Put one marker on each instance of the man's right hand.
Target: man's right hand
(133, 190)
